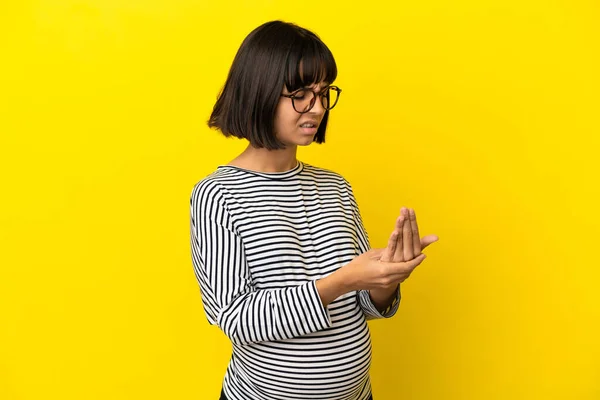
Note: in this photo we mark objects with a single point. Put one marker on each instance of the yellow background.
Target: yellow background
(483, 116)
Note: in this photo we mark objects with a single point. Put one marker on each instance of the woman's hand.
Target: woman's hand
(366, 271)
(381, 270)
(404, 243)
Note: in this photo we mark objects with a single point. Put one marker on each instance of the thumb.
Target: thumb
(416, 261)
(427, 240)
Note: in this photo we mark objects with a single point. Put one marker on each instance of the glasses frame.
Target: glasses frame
(313, 101)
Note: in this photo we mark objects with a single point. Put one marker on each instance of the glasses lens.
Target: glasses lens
(303, 100)
(330, 98)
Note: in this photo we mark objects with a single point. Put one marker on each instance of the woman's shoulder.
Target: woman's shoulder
(326, 174)
(211, 185)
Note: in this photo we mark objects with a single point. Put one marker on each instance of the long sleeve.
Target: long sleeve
(243, 313)
(364, 299)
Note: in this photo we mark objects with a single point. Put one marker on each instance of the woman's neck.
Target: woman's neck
(263, 160)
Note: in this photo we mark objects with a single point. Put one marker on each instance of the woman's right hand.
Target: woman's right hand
(367, 271)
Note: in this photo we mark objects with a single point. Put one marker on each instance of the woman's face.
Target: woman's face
(291, 127)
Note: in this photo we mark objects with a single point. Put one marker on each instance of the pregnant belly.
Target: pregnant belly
(330, 364)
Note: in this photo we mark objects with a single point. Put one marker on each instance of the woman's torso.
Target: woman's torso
(298, 226)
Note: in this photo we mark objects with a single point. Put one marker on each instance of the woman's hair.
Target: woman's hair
(274, 54)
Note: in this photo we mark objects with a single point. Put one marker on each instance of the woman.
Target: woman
(279, 248)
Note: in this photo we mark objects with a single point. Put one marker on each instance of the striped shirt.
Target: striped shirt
(259, 242)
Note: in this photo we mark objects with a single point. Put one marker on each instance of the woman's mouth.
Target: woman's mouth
(309, 128)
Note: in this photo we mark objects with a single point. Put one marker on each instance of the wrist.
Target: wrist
(332, 286)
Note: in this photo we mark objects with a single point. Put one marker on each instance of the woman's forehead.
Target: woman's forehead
(317, 70)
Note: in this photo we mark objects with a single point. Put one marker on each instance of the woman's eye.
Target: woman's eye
(299, 95)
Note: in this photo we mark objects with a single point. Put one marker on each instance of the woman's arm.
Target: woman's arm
(230, 300)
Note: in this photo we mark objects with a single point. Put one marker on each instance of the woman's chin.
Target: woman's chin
(302, 141)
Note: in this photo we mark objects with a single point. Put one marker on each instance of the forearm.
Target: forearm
(333, 286)
(271, 315)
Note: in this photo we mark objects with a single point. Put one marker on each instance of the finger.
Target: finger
(392, 243)
(416, 242)
(403, 269)
(427, 240)
(399, 253)
(407, 237)
(414, 263)
(388, 253)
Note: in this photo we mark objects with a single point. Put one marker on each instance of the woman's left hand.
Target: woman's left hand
(404, 243)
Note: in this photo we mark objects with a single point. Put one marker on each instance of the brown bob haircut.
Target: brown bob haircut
(276, 53)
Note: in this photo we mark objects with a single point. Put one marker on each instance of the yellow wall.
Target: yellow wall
(483, 116)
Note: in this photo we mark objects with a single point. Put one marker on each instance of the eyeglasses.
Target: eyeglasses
(304, 99)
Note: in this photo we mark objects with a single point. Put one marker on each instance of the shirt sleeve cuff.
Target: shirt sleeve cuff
(371, 311)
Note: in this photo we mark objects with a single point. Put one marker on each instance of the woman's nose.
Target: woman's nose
(318, 106)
